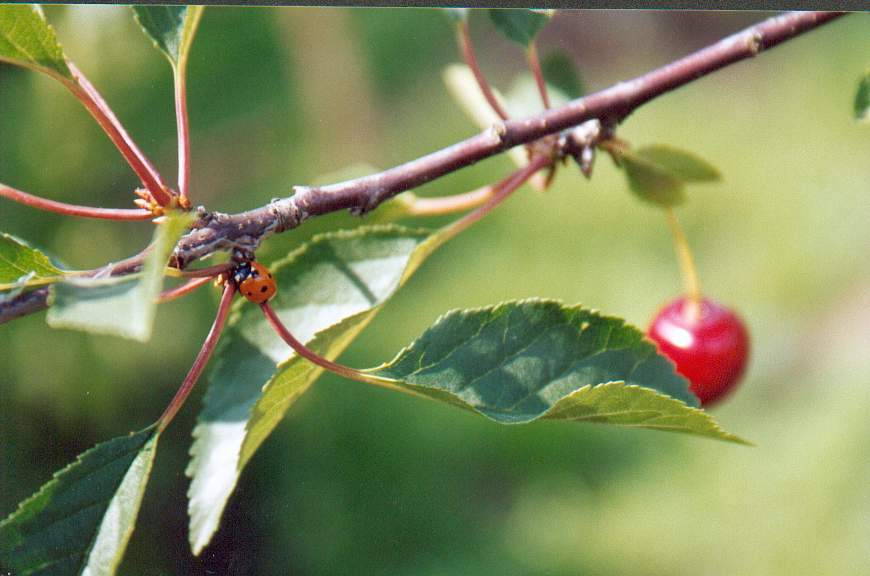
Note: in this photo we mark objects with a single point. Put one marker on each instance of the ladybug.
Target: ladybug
(255, 282)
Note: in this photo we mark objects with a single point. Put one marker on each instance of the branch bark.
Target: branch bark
(246, 230)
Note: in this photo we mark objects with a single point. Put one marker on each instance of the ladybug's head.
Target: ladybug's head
(241, 272)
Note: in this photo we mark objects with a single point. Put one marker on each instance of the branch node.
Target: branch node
(286, 212)
(755, 43)
(497, 132)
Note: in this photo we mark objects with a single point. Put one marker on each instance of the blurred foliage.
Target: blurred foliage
(392, 485)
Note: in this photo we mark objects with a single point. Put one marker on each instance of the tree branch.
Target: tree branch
(216, 232)
(219, 232)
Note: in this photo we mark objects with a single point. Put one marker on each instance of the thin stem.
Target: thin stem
(102, 113)
(449, 204)
(688, 270)
(183, 130)
(208, 271)
(501, 191)
(184, 289)
(73, 209)
(315, 358)
(202, 358)
(535, 67)
(468, 54)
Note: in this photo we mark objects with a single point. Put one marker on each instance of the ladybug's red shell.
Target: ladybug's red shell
(255, 282)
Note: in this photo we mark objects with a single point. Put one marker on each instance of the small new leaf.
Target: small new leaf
(171, 28)
(81, 520)
(536, 359)
(119, 306)
(685, 165)
(21, 264)
(862, 99)
(658, 173)
(27, 40)
(519, 24)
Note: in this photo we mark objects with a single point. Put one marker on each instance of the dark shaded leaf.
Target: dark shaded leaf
(81, 520)
(560, 71)
(519, 24)
(171, 28)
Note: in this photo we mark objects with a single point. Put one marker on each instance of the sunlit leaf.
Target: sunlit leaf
(122, 306)
(536, 359)
(27, 40)
(81, 520)
(335, 283)
(21, 263)
(519, 24)
(862, 99)
(171, 28)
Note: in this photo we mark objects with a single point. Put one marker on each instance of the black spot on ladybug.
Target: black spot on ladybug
(263, 288)
(270, 274)
(249, 293)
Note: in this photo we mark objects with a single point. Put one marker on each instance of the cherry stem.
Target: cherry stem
(183, 130)
(468, 54)
(183, 289)
(687, 265)
(315, 358)
(102, 113)
(535, 67)
(73, 209)
(202, 358)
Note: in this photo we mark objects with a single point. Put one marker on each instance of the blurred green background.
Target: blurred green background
(358, 480)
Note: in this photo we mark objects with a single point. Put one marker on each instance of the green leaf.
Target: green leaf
(560, 71)
(537, 359)
(686, 166)
(658, 173)
(81, 520)
(120, 306)
(171, 28)
(862, 99)
(651, 182)
(27, 40)
(330, 288)
(519, 24)
(18, 260)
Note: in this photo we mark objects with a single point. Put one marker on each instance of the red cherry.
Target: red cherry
(709, 344)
